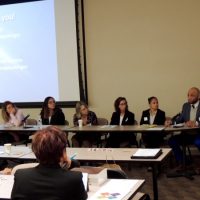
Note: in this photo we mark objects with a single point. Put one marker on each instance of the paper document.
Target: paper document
(113, 190)
(147, 153)
(104, 126)
(156, 128)
(85, 180)
(6, 185)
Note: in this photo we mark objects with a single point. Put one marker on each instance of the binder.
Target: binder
(147, 154)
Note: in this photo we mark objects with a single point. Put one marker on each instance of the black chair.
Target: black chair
(102, 138)
(116, 174)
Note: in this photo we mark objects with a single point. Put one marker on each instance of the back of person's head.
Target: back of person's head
(48, 145)
(4, 112)
(117, 103)
(78, 108)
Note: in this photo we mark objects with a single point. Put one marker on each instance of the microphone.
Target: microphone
(25, 118)
(174, 118)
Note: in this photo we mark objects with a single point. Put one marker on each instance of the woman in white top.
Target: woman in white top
(12, 116)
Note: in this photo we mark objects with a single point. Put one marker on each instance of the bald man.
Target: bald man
(190, 115)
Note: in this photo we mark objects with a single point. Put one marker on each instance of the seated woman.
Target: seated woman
(51, 114)
(121, 116)
(12, 116)
(49, 180)
(89, 118)
(153, 116)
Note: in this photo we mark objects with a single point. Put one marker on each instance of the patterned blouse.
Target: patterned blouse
(91, 119)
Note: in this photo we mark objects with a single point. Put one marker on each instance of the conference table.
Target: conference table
(100, 128)
(95, 190)
(108, 129)
(94, 155)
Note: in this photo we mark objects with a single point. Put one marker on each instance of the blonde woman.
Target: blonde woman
(89, 118)
(12, 116)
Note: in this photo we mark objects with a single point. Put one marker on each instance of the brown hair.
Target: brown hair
(4, 113)
(48, 145)
(45, 109)
(117, 102)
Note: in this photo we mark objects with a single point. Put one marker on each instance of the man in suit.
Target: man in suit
(49, 180)
(190, 115)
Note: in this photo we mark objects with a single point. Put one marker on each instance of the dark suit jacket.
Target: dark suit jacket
(48, 183)
(129, 118)
(58, 118)
(185, 114)
(159, 118)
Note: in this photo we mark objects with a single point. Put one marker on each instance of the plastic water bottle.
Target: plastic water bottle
(39, 123)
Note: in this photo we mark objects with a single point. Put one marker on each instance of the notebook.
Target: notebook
(147, 153)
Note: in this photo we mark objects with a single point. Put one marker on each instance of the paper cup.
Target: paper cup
(80, 122)
(7, 148)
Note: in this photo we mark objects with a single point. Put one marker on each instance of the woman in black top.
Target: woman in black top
(153, 116)
(121, 116)
(49, 180)
(51, 114)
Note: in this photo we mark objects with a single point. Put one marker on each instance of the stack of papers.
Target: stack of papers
(147, 153)
(113, 190)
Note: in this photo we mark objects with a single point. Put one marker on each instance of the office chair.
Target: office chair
(103, 136)
(116, 174)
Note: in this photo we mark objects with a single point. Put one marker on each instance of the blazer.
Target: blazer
(48, 182)
(129, 118)
(58, 118)
(158, 120)
(185, 113)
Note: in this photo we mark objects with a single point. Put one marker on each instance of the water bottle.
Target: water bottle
(39, 123)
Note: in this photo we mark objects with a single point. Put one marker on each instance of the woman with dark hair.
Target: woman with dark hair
(88, 118)
(51, 114)
(49, 180)
(12, 116)
(121, 116)
(153, 116)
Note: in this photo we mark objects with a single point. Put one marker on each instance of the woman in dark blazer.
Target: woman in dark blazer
(121, 116)
(153, 116)
(51, 114)
(51, 179)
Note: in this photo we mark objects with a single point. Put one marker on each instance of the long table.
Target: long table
(99, 129)
(7, 181)
(112, 128)
(98, 155)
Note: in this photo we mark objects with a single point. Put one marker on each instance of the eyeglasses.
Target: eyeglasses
(122, 104)
(51, 102)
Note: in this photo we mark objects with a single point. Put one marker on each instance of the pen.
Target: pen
(73, 156)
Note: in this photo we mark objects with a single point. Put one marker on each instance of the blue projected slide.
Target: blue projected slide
(28, 58)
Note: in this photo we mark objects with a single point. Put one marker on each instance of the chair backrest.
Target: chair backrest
(66, 123)
(31, 122)
(102, 121)
(23, 166)
(116, 174)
